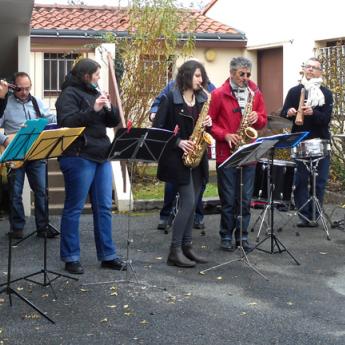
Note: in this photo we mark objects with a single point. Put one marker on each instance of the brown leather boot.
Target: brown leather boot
(190, 254)
(177, 258)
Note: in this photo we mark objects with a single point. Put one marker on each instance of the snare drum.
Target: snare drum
(311, 148)
(282, 177)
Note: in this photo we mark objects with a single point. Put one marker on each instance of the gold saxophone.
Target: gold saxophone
(200, 137)
(247, 134)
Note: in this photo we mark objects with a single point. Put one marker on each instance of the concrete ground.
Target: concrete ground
(299, 304)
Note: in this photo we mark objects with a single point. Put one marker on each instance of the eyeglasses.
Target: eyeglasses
(315, 68)
(243, 74)
(19, 89)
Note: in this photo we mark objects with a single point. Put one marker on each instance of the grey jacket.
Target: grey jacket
(14, 113)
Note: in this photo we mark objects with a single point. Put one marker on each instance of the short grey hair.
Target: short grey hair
(240, 62)
(313, 58)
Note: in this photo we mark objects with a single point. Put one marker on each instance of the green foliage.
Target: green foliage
(148, 53)
(333, 62)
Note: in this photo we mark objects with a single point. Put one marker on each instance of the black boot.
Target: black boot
(177, 258)
(190, 254)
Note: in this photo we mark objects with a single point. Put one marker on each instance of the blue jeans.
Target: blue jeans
(229, 195)
(302, 192)
(170, 191)
(81, 177)
(36, 173)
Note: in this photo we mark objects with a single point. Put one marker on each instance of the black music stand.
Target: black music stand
(282, 141)
(16, 151)
(49, 144)
(245, 155)
(144, 145)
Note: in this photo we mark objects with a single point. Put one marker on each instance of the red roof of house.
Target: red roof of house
(69, 17)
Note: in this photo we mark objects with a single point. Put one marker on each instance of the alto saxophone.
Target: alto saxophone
(200, 137)
(247, 134)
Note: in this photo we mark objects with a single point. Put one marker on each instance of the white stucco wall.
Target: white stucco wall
(297, 26)
(217, 70)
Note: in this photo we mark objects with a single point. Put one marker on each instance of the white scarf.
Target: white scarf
(315, 95)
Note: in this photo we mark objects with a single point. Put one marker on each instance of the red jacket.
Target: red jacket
(226, 116)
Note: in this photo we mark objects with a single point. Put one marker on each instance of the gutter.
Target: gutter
(87, 34)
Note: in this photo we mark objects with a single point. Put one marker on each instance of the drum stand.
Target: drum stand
(312, 165)
(265, 212)
(276, 245)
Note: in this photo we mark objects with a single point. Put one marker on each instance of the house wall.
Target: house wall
(218, 69)
(297, 26)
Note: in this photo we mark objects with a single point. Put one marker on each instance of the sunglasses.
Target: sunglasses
(248, 74)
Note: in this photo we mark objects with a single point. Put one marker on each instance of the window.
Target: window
(56, 66)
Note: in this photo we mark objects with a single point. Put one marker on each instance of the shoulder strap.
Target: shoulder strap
(36, 107)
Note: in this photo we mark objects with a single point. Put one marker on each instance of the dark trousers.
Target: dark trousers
(229, 195)
(303, 183)
(169, 204)
(36, 173)
(188, 196)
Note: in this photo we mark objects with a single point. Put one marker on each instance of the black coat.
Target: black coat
(318, 123)
(172, 111)
(75, 109)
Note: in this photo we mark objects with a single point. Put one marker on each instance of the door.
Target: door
(270, 78)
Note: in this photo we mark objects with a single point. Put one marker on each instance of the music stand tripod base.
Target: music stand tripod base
(138, 145)
(245, 155)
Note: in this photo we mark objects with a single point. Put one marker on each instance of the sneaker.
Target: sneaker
(116, 264)
(226, 244)
(74, 267)
(50, 231)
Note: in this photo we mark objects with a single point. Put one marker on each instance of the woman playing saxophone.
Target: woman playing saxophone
(182, 108)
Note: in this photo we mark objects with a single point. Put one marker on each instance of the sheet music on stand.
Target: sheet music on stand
(284, 141)
(248, 154)
(52, 142)
(141, 144)
(23, 140)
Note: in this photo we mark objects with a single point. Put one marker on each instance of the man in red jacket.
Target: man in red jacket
(226, 109)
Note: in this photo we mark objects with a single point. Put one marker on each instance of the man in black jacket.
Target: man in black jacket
(317, 113)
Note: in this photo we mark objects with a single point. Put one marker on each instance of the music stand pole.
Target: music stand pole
(9, 290)
(47, 145)
(26, 138)
(50, 145)
(274, 240)
(242, 157)
(243, 256)
(138, 144)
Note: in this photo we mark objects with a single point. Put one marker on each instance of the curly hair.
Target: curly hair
(184, 78)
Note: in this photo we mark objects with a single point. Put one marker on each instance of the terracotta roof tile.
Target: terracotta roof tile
(65, 17)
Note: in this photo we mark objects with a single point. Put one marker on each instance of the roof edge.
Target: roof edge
(96, 34)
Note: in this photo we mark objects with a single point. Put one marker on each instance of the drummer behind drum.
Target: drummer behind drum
(317, 116)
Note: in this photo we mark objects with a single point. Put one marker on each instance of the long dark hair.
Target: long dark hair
(184, 78)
